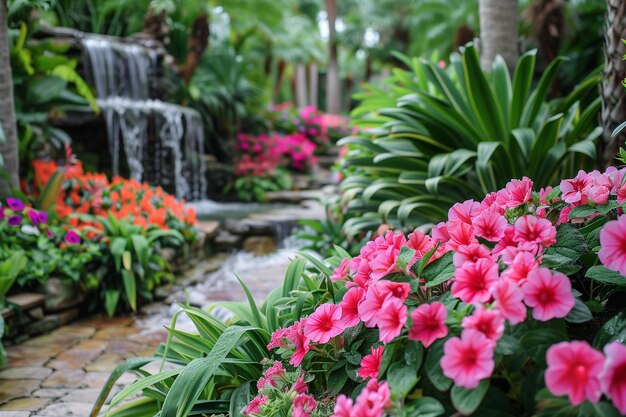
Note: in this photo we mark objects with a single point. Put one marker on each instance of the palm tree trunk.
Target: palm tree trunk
(499, 25)
(301, 90)
(611, 89)
(333, 99)
(8, 149)
(313, 84)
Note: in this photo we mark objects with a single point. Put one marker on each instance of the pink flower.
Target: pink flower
(463, 212)
(472, 281)
(362, 275)
(460, 234)
(470, 253)
(392, 319)
(549, 295)
(519, 192)
(421, 243)
(370, 308)
(613, 376)
(370, 364)
(490, 226)
(506, 241)
(303, 405)
(509, 298)
(385, 263)
(343, 407)
(276, 371)
(440, 233)
(488, 322)
(429, 323)
(300, 386)
(350, 306)
(574, 369)
(299, 340)
(373, 400)
(341, 272)
(613, 245)
(530, 229)
(277, 338)
(468, 359)
(522, 265)
(399, 290)
(255, 404)
(324, 324)
(575, 190)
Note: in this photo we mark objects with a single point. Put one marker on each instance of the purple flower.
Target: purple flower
(33, 217)
(50, 235)
(1, 212)
(42, 216)
(72, 238)
(15, 204)
(15, 220)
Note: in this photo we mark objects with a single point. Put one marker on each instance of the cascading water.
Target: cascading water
(163, 143)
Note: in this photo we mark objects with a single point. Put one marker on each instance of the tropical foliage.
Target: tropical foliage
(438, 135)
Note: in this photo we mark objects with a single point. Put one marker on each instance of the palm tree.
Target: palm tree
(612, 91)
(333, 102)
(8, 149)
(499, 25)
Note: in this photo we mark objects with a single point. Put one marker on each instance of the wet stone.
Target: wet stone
(11, 389)
(7, 413)
(50, 392)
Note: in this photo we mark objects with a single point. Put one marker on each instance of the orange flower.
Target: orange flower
(158, 217)
(191, 216)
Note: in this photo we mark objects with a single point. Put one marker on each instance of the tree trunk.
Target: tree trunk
(499, 26)
(313, 84)
(301, 93)
(611, 89)
(280, 73)
(197, 43)
(333, 99)
(8, 149)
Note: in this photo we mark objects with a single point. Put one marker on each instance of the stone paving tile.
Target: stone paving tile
(78, 409)
(25, 404)
(14, 413)
(76, 331)
(50, 392)
(26, 372)
(105, 363)
(64, 379)
(11, 389)
(89, 395)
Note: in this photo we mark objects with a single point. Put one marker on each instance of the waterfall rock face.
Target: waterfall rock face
(162, 143)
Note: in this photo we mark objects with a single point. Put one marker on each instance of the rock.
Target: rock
(237, 227)
(51, 322)
(10, 389)
(62, 295)
(26, 372)
(26, 300)
(259, 245)
(25, 404)
(66, 409)
(67, 378)
(209, 228)
(168, 255)
(257, 227)
(227, 240)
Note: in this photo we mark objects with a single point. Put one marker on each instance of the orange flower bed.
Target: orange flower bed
(93, 194)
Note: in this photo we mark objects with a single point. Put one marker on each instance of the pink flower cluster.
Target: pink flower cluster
(372, 401)
(258, 155)
(582, 373)
(497, 246)
(276, 378)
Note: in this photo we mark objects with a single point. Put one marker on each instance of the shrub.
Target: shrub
(512, 306)
(435, 136)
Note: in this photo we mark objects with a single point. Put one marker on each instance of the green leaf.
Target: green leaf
(580, 313)
(111, 298)
(439, 271)
(405, 257)
(117, 247)
(337, 380)
(130, 287)
(127, 260)
(582, 211)
(536, 342)
(190, 384)
(401, 378)
(45, 89)
(142, 249)
(129, 365)
(239, 399)
(613, 330)
(424, 407)
(605, 275)
(468, 400)
(50, 193)
(432, 366)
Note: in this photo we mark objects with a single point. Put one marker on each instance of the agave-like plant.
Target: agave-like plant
(433, 136)
(209, 371)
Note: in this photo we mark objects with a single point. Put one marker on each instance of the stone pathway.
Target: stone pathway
(61, 374)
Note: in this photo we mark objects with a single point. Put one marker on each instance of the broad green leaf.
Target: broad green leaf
(605, 275)
(467, 400)
(130, 288)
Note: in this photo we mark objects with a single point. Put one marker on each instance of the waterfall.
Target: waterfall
(163, 143)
